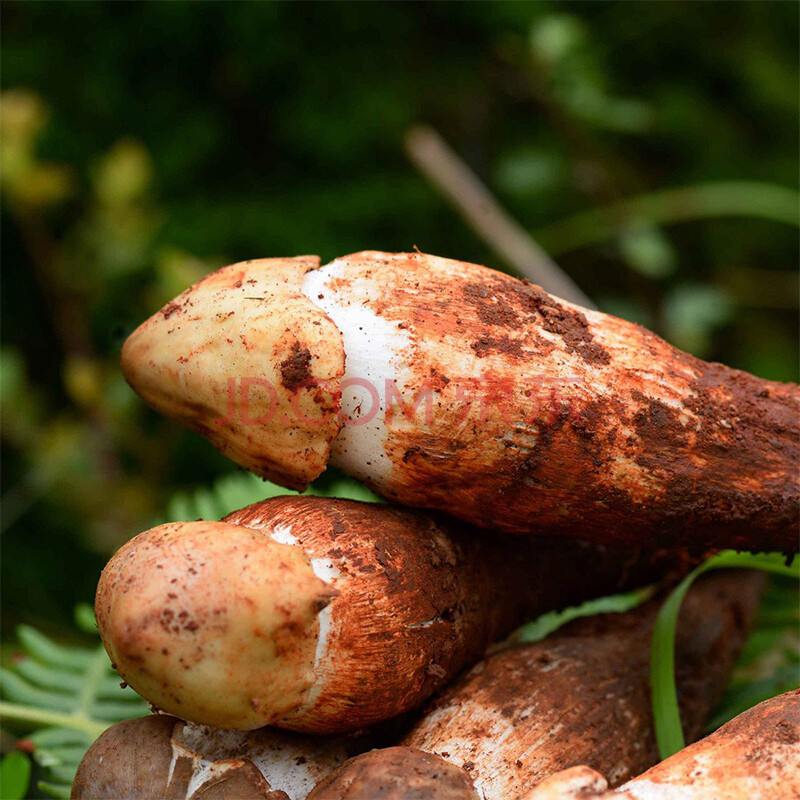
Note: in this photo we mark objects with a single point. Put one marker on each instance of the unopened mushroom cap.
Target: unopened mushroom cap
(147, 759)
(396, 773)
(575, 783)
(129, 761)
(214, 622)
(245, 359)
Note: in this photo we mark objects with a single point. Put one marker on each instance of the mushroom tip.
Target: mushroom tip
(228, 654)
(575, 783)
(396, 773)
(247, 360)
(130, 760)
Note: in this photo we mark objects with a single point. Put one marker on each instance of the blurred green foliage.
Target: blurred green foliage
(55, 700)
(144, 144)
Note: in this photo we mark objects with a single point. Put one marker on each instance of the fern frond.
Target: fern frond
(60, 699)
(239, 489)
(57, 791)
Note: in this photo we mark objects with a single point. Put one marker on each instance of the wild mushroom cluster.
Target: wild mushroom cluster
(532, 455)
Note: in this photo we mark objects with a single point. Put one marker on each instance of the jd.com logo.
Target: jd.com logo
(255, 401)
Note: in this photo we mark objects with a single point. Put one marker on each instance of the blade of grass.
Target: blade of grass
(666, 713)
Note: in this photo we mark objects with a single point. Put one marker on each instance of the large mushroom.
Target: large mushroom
(581, 696)
(448, 385)
(755, 756)
(323, 615)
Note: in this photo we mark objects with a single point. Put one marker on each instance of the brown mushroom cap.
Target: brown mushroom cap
(143, 759)
(163, 757)
(396, 773)
(129, 761)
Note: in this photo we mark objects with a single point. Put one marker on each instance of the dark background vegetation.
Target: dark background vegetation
(144, 144)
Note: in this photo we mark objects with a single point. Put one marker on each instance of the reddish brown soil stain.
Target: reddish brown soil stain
(296, 369)
(501, 344)
(170, 309)
(496, 302)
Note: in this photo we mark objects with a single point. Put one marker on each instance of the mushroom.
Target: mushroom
(162, 757)
(581, 696)
(396, 773)
(755, 756)
(447, 385)
(323, 615)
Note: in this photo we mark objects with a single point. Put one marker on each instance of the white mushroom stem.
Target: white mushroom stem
(290, 762)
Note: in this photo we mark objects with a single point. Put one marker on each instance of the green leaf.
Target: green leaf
(648, 251)
(58, 791)
(84, 618)
(556, 36)
(44, 649)
(666, 714)
(613, 604)
(700, 201)
(692, 311)
(15, 774)
(57, 737)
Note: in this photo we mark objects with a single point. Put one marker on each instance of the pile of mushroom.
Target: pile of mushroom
(561, 454)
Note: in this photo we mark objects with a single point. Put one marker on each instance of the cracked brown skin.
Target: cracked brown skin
(591, 426)
(755, 756)
(220, 623)
(582, 695)
(132, 760)
(580, 424)
(422, 596)
(396, 773)
(160, 757)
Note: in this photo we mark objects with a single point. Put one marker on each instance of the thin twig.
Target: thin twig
(445, 169)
